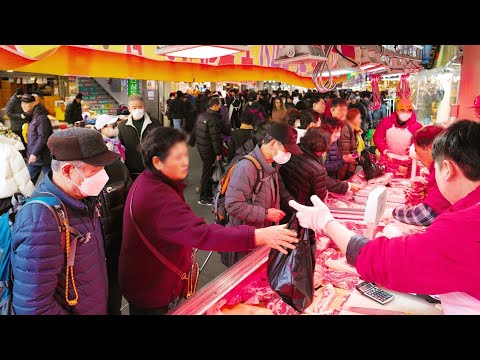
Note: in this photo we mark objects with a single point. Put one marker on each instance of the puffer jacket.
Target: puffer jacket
(73, 112)
(238, 197)
(208, 133)
(39, 130)
(334, 160)
(112, 200)
(38, 259)
(305, 175)
(14, 111)
(347, 144)
(14, 176)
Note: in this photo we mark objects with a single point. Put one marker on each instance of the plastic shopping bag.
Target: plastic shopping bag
(371, 167)
(218, 171)
(291, 276)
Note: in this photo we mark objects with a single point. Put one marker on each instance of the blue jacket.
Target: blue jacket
(334, 160)
(38, 260)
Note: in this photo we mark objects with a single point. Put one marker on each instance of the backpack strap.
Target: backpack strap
(59, 211)
(260, 173)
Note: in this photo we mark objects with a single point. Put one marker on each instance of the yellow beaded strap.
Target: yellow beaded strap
(69, 269)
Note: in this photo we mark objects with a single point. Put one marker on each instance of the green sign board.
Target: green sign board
(133, 87)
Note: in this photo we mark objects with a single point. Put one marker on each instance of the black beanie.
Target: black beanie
(19, 91)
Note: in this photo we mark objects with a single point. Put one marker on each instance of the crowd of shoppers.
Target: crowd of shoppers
(122, 187)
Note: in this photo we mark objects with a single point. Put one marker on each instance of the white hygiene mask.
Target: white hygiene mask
(92, 185)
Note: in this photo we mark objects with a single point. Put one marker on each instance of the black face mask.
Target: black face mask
(401, 123)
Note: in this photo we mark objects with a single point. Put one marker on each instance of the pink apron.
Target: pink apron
(398, 140)
(459, 303)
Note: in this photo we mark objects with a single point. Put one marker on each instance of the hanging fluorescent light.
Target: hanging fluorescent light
(199, 51)
(10, 71)
(380, 68)
(342, 71)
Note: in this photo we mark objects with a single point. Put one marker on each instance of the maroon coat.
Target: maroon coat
(173, 228)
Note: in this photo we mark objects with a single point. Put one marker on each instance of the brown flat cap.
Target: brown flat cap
(80, 144)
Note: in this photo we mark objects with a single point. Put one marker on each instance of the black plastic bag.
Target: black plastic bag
(371, 168)
(291, 276)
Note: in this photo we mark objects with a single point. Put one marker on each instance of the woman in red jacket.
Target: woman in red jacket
(172, 228)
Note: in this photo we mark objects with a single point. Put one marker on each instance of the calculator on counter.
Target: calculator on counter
(370, 290)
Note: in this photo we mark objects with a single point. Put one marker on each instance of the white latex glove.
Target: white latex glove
(312, 217)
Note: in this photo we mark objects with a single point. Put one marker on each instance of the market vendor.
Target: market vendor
(434, 203)
(394, 133)
(442, 260)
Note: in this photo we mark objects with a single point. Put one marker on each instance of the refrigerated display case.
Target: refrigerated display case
(246, 282)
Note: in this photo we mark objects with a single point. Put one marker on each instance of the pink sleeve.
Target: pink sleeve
(438, 261)
(379, 136)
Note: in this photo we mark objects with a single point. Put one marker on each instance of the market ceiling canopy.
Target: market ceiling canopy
(11, 59)
(141, 62)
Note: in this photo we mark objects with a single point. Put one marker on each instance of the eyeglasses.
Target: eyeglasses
(113, 126)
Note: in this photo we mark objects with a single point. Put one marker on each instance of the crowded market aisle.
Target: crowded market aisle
(214, 266)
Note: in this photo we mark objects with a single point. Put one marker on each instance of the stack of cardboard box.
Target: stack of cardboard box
(7, 89)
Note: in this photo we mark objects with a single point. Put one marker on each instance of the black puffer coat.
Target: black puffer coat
(39, 130)
(73, 112)
(208, 133)
(305, 175)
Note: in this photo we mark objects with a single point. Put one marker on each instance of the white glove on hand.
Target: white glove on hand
(312, 217)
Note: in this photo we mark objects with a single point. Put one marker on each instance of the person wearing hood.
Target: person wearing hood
(15, 113)
(394, 133)
(39, 130)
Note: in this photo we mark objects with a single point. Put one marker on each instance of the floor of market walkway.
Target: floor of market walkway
(214, 267)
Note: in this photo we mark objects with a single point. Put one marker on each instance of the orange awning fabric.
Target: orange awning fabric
(11, 59)
(70, 60)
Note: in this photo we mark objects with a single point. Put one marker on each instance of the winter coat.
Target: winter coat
(239, 137)
(177, 108)
(334, 160)
(39, 130)
(14, 111)
(305, 175)
(130, 138)
(73, 112)
(14, 176)
(347, 144)
(238, 197)
(278, 115)
(389, 124)
(38, 259)
(172, 227)
(208, 133)
(112, 198)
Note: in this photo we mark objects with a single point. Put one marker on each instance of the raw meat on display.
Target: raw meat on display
(381, 180)
(322, 300)
(279, 307)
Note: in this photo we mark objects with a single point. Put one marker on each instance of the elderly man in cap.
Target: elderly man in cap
(39, 130)
(39, 261)
(73, 112)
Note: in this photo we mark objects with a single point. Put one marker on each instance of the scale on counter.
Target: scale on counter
(374, 209)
